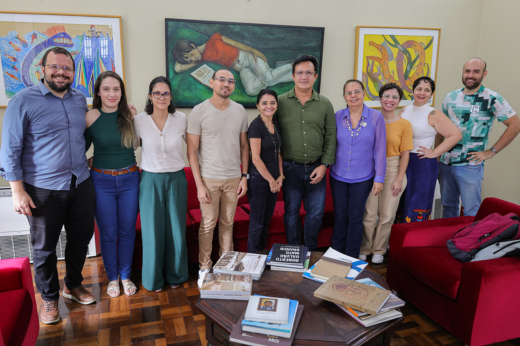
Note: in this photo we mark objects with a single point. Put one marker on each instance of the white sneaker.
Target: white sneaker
(377, 259)
(363, 257)
(202, 274)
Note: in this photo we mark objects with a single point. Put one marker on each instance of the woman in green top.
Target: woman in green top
(116, 178)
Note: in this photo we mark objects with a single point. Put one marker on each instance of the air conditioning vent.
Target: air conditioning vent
(19, 245)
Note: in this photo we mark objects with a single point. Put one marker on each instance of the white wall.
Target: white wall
(468, 28)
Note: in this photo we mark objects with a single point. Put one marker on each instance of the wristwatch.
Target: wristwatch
(493, 150)
(327, 165)
(245, 176)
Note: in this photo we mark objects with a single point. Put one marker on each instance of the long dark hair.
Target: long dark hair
(148, 108)
(124, 119)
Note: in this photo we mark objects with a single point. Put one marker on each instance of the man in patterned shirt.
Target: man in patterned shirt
(473, 109)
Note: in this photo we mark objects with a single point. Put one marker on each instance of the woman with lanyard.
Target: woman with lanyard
(115, 175)
(360, 167)
(417, 200)
(266, 177)
(163, 195)
(380, 210)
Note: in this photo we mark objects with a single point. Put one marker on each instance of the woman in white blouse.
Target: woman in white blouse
(163, 191)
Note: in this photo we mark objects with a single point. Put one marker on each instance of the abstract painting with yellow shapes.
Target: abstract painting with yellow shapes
(395, 55)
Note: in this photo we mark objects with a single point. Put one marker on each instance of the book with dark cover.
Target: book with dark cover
(294, 269)
(255, 339)
(287, 255)
(353, 294)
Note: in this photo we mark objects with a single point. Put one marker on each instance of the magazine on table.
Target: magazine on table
(357, 265)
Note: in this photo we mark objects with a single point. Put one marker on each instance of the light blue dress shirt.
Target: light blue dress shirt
(42, 138)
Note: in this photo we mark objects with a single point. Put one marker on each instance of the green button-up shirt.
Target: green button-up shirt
(308, 131)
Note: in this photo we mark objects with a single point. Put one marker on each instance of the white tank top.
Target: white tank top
(423, 133)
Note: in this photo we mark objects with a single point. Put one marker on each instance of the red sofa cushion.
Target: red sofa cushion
(11, 279)
(435, 267)
(11, 311)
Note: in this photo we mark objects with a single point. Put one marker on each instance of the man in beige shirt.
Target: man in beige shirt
(217, 145)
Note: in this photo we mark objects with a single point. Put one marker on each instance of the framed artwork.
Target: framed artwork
(95, 43)
(259, 56)
(395, 55)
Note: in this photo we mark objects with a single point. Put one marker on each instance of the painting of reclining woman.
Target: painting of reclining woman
(259, 56)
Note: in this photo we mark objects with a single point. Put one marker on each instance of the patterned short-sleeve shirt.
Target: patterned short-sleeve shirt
(474, 116)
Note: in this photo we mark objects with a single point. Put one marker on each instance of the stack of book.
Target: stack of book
(364, 300)
(226, 286)
(386, 313)
(292, 258)
(233, 262)
(268, 320)
(335, 263)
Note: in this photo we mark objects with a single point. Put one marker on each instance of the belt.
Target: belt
(304, 164)
(114, 172)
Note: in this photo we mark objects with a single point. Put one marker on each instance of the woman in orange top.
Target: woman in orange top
(399, 142)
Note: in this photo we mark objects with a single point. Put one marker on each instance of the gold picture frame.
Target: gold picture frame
(395, 54)
(95, 42)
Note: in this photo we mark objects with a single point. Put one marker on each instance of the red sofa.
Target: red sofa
(240, 228)
(477, 302)
(19, 324)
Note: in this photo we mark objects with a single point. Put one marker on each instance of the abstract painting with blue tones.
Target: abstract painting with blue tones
(21, 54)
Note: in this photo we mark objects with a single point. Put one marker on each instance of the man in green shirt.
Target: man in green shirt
(308, 129)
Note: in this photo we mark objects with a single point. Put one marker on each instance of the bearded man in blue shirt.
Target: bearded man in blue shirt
(43, 158)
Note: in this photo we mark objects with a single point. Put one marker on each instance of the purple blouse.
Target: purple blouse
(361, 157)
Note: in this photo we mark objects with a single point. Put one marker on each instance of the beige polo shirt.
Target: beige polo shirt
(219, 131)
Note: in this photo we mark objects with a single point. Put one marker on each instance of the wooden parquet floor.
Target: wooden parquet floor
(171, 318)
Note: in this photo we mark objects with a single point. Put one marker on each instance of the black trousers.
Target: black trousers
(73, 209)
(262, 202)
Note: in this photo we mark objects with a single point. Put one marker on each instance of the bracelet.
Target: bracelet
(281, 175)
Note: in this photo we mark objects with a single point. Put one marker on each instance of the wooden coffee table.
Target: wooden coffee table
(322, 322)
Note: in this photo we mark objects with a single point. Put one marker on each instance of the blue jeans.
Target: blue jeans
(117, 204)
(464, 182)
(262, 202)
(297, 187)
(349, 200)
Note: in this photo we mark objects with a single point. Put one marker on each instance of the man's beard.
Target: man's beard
(56, 87)
(474, 84)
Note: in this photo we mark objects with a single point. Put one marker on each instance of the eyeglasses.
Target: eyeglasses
(388, 97)
(224, 80)
(355, 92)
(304, 73)
(157, 95)
(54, 68)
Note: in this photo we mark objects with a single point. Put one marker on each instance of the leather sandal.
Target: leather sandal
(113, 289)
(127, 286)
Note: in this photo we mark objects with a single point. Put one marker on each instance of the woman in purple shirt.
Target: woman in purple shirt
(360, 166)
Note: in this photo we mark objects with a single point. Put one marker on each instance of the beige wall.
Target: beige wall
(467, 27)
(498, 34)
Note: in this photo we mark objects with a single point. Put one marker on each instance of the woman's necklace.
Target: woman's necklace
(276, 150)
(361, 123)
(392, 120)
